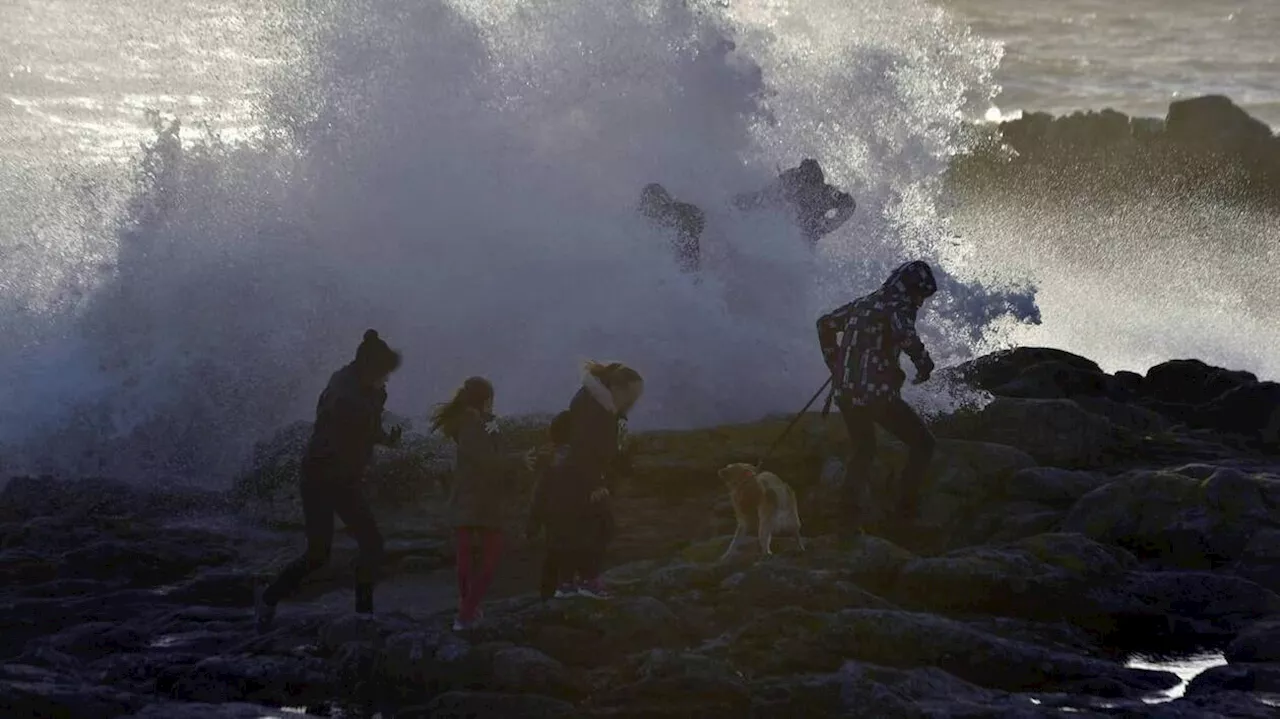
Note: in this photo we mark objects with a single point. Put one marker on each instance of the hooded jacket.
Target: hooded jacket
(875, 329)
(348, 425)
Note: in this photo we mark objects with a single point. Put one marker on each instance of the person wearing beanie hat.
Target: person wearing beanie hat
(348, 426)
(867, 379)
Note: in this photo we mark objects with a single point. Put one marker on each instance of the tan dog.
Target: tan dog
(767, 498)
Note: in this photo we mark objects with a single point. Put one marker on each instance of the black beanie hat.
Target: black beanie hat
(374, 354)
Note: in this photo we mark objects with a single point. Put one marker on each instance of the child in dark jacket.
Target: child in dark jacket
(546, 461)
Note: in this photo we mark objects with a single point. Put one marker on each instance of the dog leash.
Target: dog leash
(795, 419)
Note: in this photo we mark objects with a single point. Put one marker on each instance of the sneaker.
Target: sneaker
(566, 590)
(264, 614)
(460, 626)
(594, 589)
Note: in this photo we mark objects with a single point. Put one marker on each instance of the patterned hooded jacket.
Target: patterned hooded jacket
(875, 328)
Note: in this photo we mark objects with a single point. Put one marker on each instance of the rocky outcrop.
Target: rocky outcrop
(1088, 418)
(1205, 148)
(1054, 536)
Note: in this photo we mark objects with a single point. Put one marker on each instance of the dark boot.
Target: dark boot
(364, 599)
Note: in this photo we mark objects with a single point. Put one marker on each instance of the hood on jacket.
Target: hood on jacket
(599, 392)
(912, 280)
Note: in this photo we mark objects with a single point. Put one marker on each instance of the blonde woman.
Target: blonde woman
(578, 517)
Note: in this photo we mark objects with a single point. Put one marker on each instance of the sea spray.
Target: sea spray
(464, 177)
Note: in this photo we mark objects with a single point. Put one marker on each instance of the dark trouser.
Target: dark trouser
(322, 498)
(901, 421)
(576, 548)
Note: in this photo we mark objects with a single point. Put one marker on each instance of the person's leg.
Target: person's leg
(599, 531)
(462, 564)
(355, 513)
(491, 541)
(317, 512)
(561, 562)
(550, 574)
(861, 429)
(902, 421)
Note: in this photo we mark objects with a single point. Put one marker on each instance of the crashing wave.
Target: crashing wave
(463, 176)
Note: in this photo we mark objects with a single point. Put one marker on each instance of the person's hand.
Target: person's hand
(924, 370)
(600, 494)
(393, 437)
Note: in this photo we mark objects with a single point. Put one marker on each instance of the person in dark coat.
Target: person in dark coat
(579, 519)
(819, 209)
(546, 462)
(348, 426)
(684, 221)
(867, 379)
(481, 498)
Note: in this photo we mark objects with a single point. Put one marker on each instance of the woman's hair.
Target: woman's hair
(614, 374)
(374, 357)
(471, 395)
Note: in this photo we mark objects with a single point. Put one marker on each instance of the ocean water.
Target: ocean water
(462, 176)
(1134, 56)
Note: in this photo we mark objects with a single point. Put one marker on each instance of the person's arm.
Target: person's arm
(829, 326)
(595, 444)
(903, 326)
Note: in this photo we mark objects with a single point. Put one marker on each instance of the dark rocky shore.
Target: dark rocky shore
(1075, 519)
(1205, 149)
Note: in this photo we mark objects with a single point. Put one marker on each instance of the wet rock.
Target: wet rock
(586, 633)
(27, 691)
(1257, 643)
(1194, 517)
(94, 640)
(469, 704)
(1191, 381)
(771, 586)
(1237, 678)
(1205, 605)
(523, 670)
(1217, 705)
(195, 710)
(1039, 577)
(1123, 414)
(217, 588)
(664, 683)
(1000, 368)
(1056, 432)
(1053, 486)
(146, 563)
(270, 679)
(792, 641)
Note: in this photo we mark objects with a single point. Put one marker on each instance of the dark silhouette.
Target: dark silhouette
(348, 426)
(867, 379)
(819, 208)
(574, 506)
(685, 221)
(546, 461)
(482, 491)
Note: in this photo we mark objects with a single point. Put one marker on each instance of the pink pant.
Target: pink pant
(472, 584)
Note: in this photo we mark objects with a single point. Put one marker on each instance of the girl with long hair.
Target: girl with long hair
(481, 496)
